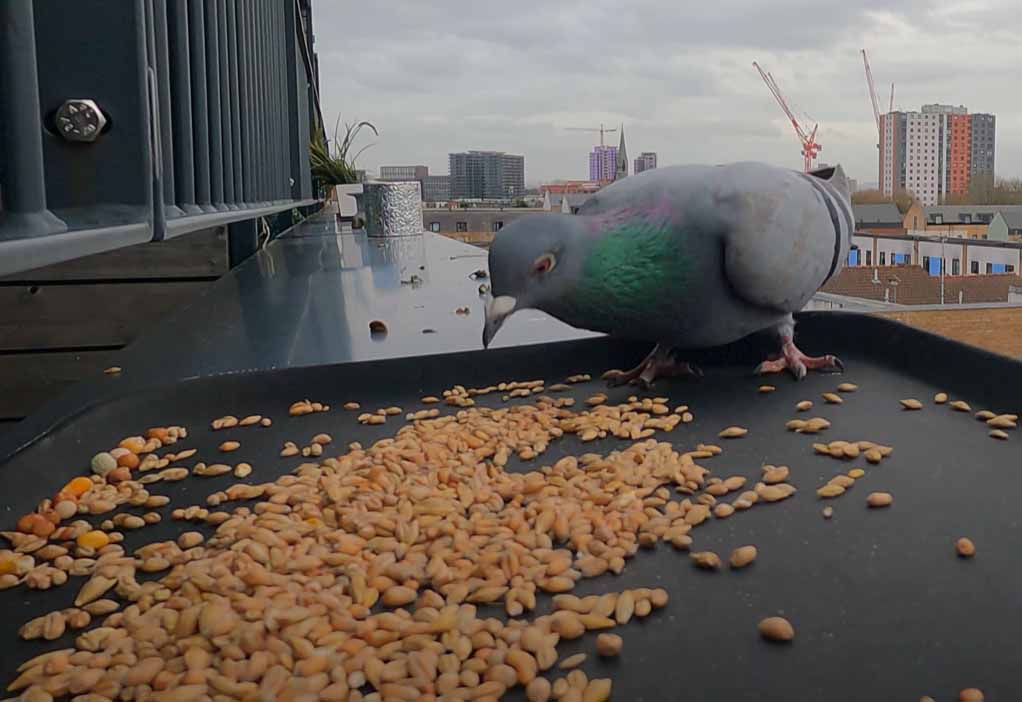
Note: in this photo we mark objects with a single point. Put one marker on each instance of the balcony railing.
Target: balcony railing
(141, 120)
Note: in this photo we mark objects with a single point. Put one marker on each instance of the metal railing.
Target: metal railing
(141, 120)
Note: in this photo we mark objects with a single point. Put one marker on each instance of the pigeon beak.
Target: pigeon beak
(497, 310)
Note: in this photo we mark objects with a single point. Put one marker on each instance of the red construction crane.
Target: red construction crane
(873, 91)
(810, 147)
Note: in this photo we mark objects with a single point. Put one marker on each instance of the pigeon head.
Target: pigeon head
(534, 262)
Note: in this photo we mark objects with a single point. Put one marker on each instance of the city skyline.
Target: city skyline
(683, 83)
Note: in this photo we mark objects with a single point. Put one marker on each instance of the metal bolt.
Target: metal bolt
(80, 120)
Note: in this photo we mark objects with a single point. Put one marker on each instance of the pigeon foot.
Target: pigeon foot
(798, 363)
(660, 363)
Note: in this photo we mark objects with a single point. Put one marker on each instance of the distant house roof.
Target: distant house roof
(879, 213)
(975, 213)
(917, 287)
(1012, 217)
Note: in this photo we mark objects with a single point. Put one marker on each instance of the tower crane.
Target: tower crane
(810, 147)
(600, 129)
(873, 91)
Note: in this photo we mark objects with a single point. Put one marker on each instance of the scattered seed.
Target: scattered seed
(772, 475)
(377, 328)
(911, 404)
(229, 446)
(828, 512)
(250, 420)
(733, 433)
(804, 405)
(856, 473)
(940, 398)
(609, 645)
(879, 499)
(743, 556)
(242, 470)
(832, 398)
(830, 490)
(766, 388)
(999, 434)
(970, 694)
(960, 406)
(572, 661)
(112, 370)
(965, 547)
(708, 560)
(984, 415)
(847, 387)
(776, 629)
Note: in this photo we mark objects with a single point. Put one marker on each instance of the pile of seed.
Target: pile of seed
(371, 568)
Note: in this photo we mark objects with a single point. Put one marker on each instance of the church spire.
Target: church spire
(621, 169)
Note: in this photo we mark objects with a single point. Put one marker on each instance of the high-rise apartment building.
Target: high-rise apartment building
(436, 188)
(603, 163)
(403, 172)
(645, 162)
(936, 152)
(489, 175)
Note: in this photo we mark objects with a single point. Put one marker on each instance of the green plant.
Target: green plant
(335, 166)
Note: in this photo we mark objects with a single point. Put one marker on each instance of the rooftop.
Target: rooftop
(911, 285)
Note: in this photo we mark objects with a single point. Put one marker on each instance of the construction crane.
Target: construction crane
(601, 130)
(873, 91)
(810, 147)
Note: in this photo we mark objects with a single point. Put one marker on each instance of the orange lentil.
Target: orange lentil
(78, 487)
(94, 539)
(135, 444)
(128, 460)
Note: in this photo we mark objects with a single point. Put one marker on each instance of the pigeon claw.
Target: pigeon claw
(799, 364)
(660, 363)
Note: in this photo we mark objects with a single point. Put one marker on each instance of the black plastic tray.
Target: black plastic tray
(883, 608)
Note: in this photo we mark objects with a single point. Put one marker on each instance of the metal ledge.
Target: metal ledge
(184, 225)
(19, 255)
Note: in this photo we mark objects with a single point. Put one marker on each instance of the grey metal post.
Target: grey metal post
(274, 102)
(216, 151)
(242, 240)
(235, 87)
(245, 97)
(181, 103)
(293, 109)
(258, 75)
(264, 94)
(162, 52)
(200, 105)
(223, 39)
(284, 172)
(21, 145)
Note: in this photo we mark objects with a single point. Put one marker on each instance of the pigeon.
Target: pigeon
(689, 257)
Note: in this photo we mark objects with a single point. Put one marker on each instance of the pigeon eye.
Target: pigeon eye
(544, 264)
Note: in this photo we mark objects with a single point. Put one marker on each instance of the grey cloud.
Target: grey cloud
(443, 76)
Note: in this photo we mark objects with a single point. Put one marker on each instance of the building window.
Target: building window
(926, 263)
(955, 266)
(869, 258)
(990, 268)
(883, 258)
(974, 267)
(1009, 268)
(434, 226)
(498, 225)
(461, 226)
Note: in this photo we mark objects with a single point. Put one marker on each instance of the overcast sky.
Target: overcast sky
(451, 75)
